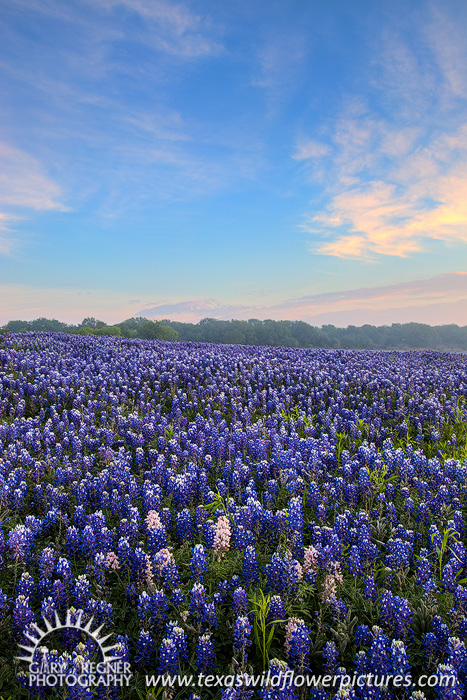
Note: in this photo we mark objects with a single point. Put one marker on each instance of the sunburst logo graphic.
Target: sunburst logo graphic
(110, 670)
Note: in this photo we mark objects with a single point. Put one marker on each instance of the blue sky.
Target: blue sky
(258, 159)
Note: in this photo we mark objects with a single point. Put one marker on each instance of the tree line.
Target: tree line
(297, 334)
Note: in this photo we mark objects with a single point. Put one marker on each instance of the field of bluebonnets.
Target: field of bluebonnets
(233, 509)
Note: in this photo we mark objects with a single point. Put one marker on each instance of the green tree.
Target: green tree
(109, 330)
(150, 330)
(92, 322)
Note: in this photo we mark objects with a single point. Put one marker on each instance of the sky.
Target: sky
(289, 159)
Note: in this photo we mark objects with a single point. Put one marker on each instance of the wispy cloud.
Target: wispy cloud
(280, 61)
(69, 303)
(422, 197)
(437, 300)
(115, 134)
(394, 162)
(446, 292)
(195, 309)
(7, 240)
(23, 187)
(309, 149)
(440, 288)
(446, 38)
(172, 27)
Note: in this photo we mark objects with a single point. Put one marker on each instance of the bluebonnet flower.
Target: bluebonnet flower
(166, 518)
(157, 539)
(391, 513)
(26, 586)
(180, 639)
(81, 591)
(3, 604)
(338, 608)
(200, 517)
(124, 552)
(145, 649)
(73, 540)
(209, 533)
(168, 571)
(441, 632)
(197, 600)
(223, 589)
(399, 658)
(369, 588)
(168, 657)
(276, 609)
(205, 655)
(250, 566)
(295, 522)
(177, 597)
(100, 610)
(396, 614)
(446, 689)
(298, 643)
(20, 541)
(79, 516)
(140, 567)
(280, 685)
(354, 562)
(448, 576)
(434, 538)
(158, 606)
(282, 574)
(128, 529)
(239, 602)
(22, 614)
(184, 525)
(63, 568)
(236, 694)
(122, 648)
(423, 513)
(46, 563)
(143, 606)
(463, 628)
(87, 542)
(241, 632)
(457, 656)
(209, 615)
(425, 575)
(379, 657)
(198, 564)
(398, 554)
(242, 537)
(363, 636)
(430, 643)
(48, 608)
(330, 656)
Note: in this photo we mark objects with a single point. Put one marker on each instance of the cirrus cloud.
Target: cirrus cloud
(23, 187)
(440, 299)
(394, 161)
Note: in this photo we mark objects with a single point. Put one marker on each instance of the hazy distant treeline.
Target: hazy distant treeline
(297, 334)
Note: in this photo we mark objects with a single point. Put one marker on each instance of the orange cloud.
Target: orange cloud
(423, 198)
(396, 171)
